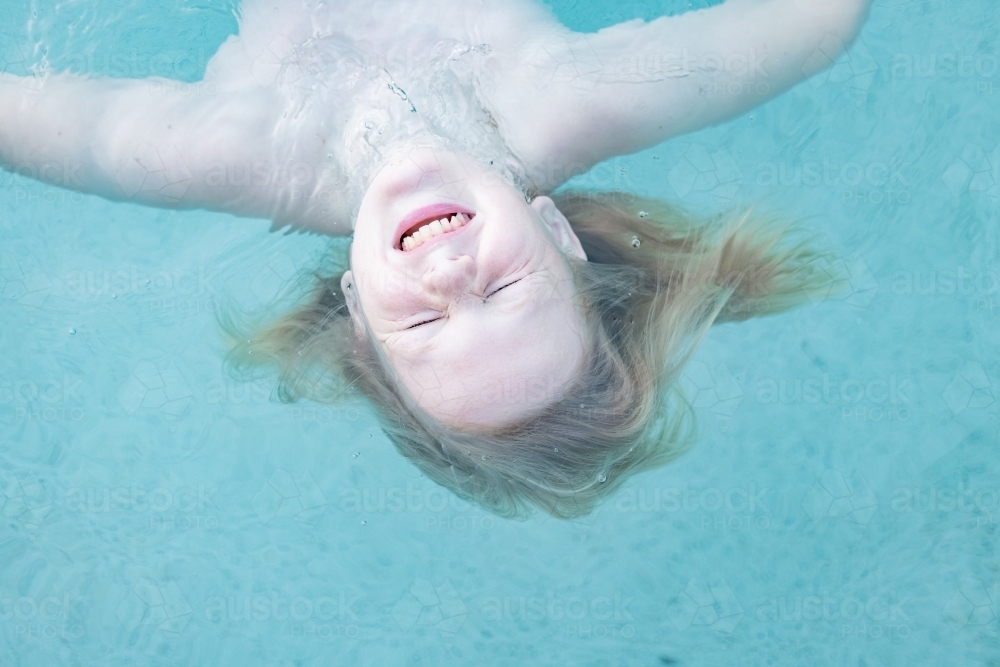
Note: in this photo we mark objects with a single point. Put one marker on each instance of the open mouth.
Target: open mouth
(431, 223)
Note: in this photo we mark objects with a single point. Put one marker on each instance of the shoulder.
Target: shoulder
(539, 91)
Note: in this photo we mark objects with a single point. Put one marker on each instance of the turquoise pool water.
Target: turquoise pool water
(841, 507)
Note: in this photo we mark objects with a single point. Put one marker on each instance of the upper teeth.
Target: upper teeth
(434, 228)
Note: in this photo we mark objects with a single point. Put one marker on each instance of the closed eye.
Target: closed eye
(503, 287)
(440, 317)
(428, 321)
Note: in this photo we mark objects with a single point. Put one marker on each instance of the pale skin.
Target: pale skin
(475, 310)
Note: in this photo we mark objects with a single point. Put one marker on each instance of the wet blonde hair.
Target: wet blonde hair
(655, 281)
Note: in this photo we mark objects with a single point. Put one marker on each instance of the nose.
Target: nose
(450, 278)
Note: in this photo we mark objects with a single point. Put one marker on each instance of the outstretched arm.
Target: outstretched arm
(583, 98)
(161, 143)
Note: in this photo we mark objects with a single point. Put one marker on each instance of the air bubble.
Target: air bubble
(114, 296)
(643, 214)
(72, 332)
(636, 242)
(356, 454)
(602, 478)
(364, 522)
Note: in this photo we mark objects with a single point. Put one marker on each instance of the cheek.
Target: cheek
(392, 285)
(506, 245)
(390, 294)
(378, 279)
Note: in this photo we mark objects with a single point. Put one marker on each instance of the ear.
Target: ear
(562, 232)
(350, 291)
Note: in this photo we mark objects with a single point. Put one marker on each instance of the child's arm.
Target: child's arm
(585, 98)
(161, 143)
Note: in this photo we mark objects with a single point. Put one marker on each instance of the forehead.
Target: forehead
(493, 367)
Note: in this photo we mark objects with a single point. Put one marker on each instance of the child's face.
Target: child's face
(480, 323)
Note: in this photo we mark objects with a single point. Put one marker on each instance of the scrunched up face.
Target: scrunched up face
(467, 289)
